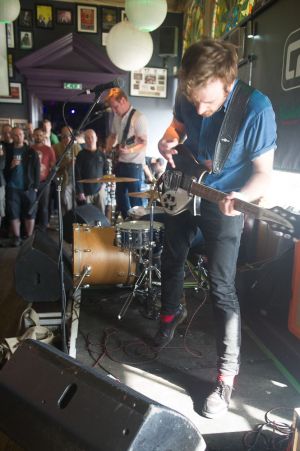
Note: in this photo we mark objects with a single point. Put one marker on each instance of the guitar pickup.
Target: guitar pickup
(172, 180)
(186, 183)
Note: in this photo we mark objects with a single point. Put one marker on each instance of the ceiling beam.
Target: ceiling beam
(177, 6)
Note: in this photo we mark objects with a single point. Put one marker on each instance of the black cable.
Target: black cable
(272, 435)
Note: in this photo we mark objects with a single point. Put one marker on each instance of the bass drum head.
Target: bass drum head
(109, 265)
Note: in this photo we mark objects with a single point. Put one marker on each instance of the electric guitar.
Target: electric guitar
(183, 188)
(130, 142)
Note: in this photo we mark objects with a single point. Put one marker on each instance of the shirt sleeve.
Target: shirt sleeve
(141, 127)
(261, 136)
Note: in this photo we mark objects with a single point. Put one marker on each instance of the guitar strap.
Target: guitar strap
(231, 124)
(126, 128)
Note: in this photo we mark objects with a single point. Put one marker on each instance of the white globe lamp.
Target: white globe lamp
(146, 15)
(9, 10)
(128, 48)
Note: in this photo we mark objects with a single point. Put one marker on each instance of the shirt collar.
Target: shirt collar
(229, 97)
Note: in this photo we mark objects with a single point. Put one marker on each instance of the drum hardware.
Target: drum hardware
(86, 272)
(108, 179)
(144, 284)
(153, 195)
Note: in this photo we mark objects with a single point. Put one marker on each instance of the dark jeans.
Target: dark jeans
(222, 240)
(124, 202)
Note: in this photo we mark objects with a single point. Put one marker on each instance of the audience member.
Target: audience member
(47, 161)
(29, 138)
(50, 137)
(22, 174)
(154, 168)
(65, 170)
(91, 163)
(6, 135)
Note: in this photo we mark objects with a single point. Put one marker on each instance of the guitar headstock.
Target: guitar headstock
(293, 218)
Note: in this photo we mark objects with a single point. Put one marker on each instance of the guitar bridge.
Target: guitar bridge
(172, 180)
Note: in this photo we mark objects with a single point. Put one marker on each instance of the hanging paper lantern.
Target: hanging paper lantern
(146, 15)
(128, 48)
(9, 10)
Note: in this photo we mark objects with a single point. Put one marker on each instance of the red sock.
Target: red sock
(228, 379)
(166, 318)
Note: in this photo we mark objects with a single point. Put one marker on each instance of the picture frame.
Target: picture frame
(4, 121)
(64, 16)
(10, 35)
(124, 17)
(10, 65)
(26, 18)
(87, 19)
(149, 82)
(26, 40)
(21, 123)
(44, 16)
(15, 94)
(109, 18)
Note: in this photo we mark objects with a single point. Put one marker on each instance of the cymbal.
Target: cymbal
(154, 195)
(139, 212)
(108, 179)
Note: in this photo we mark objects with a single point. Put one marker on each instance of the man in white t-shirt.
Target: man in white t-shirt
(129, 132)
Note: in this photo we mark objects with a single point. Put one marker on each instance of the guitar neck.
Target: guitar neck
(242, 206)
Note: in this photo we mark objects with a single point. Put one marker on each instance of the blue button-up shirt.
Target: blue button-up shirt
(256, 136)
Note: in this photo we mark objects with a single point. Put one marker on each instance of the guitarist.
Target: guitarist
(130, 132)
(207, 83)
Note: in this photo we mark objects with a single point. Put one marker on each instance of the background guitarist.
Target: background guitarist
(130, 131)
(207, 82)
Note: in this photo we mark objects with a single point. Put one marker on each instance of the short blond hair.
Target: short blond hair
(207, 60)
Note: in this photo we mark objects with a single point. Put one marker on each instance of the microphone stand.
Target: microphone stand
(49, 179)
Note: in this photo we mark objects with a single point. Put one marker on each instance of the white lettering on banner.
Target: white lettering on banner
(290, 78)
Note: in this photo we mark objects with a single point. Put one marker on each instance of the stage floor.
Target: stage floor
(181, 375)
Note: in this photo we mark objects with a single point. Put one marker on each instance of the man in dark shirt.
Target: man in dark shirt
(22, 174)
(90, 163)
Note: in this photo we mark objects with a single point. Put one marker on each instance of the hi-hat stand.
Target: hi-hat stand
(144, 285)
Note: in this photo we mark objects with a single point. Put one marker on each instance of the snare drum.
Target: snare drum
(135, 235)
(94, 247)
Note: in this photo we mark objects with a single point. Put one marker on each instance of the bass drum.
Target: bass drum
(109, 265)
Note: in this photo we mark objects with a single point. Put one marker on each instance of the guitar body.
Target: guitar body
(183, 188)
(175, 197)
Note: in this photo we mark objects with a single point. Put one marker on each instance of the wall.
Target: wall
(158, 111)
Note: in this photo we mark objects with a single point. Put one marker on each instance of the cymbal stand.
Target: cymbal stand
(144, 283)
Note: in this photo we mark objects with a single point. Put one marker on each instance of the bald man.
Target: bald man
(22, 173)
(90, 163)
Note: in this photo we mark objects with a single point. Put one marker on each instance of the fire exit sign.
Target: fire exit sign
(72, 85)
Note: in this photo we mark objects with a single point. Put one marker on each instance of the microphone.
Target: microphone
(117, 83)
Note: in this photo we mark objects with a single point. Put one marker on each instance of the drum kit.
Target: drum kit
(122, 254)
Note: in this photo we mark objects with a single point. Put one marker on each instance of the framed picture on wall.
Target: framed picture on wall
(64, 16)
(21, 123)
(44, 16)
(10, 65)
(109, 18)
(26, 18)
(15, 94)
(26, 40)
(124, 17)
(87, 19)
(10, 35)
(4, 121)
(149, 82)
